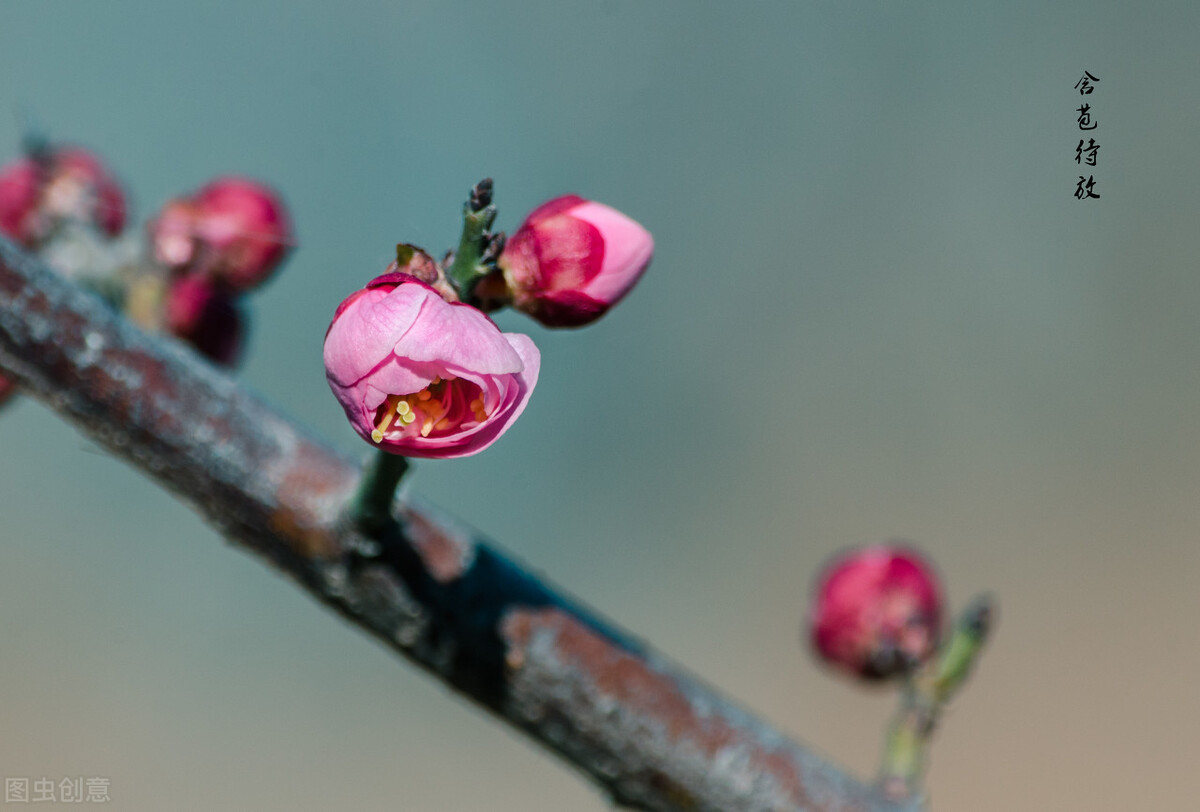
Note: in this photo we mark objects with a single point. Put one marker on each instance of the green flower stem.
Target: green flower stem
(372, 505)
(468, 266)
(961, 651)
(906, 744)
(926, 693)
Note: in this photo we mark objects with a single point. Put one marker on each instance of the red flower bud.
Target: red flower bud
(63, 185)
(7, 389)
(205, 317)
(234, 230)
(572, 259)
(877, 611)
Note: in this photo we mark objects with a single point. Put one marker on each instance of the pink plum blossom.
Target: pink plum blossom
(572, 259)
(422, 377)
(64, 184)
(234, 230)
(877, 611)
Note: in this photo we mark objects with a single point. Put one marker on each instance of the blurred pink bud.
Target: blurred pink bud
(572, 259)
(172, 234)
(64, 184)
(205, 317)
(235, 230)
(877, 611)
(422, 377)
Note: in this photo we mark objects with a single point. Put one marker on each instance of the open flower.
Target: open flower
(234, 230)
(877, 611)
(422, 377)
(65, 184)
(572, 259)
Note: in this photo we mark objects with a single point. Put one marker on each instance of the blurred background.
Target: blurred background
(876, 311)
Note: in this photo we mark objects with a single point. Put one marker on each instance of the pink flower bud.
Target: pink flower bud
(205, 317)
(172, 234)
(423, 377)
(572, 259)
(234, 230)
(66, 184)
(877, 611)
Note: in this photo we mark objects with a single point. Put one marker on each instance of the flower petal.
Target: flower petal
(363, 335)
(628, 249)
(457, 336)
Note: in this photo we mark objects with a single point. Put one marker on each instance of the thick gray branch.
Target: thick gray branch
(649, 734)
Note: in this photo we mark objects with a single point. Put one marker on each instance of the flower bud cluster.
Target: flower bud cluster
(51, 190)
(204, 251)
(214, 246)
(413, 358)
(418, 367)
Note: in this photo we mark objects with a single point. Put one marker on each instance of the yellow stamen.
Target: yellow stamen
(377, 434)
(432, 405)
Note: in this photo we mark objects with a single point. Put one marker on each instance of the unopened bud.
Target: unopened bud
(58, 185)
(234, 230)
(877, 611)
(206, 317)
(572, 259)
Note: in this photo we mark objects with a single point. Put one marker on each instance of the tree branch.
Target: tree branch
(651, 736)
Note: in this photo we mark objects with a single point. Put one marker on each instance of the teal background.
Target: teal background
(876, 310)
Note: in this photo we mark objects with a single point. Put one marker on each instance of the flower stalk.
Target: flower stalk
(925, 695)
(371, 507)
